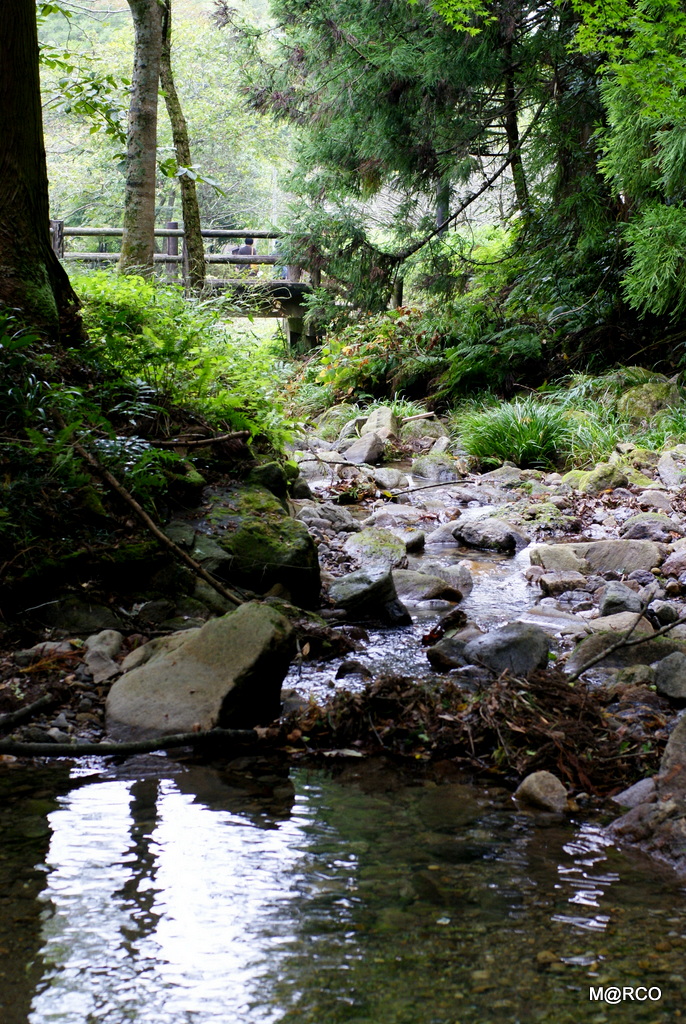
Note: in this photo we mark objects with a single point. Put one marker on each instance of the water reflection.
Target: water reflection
(181, 896)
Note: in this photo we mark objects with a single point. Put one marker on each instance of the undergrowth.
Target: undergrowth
(156, 364)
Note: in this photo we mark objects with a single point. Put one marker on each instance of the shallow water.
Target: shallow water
(166, 894)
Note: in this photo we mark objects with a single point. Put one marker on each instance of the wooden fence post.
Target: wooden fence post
(172, 249)
(57, 232)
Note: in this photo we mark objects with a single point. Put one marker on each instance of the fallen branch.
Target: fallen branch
(184, 739)
(200, 442)
(426, 487)
(624, 641)
(149, 523)
(419, 416)
(13, 718)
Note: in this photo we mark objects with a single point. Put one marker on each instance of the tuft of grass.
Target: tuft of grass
(528, 432)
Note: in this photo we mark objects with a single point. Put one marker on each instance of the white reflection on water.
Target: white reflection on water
(167, 919)
(588, 886)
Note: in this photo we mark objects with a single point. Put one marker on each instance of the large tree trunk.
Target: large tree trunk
(138, 242)
(32, 279)
(189, 196)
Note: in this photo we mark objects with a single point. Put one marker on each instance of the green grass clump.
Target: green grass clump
(530, 433)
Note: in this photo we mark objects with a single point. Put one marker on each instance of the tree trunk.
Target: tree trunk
(442, 204)
(138, 241)
(189, 195)
(32, 279)
(512, 133)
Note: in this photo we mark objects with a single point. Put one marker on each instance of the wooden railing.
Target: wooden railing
(171, 258)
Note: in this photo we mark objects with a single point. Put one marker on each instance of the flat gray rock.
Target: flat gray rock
(369, 594)
(643, 792)
(623, 556)
(228, 673)
(413, 587)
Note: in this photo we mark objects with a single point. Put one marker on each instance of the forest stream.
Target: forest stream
(166, 892)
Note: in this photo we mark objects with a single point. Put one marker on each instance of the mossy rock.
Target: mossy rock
(575, 478)
(265, 546)
(422, 428)
(605, 477)
(542, 514)
(375, 547)
(646, 401)
(636, 478)
(437, 468)
(185, 482)
(330, 423)
(272, 476)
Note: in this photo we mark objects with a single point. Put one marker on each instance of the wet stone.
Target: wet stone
(670, 676)
(543, 790)
(518, 647)
(618, 598)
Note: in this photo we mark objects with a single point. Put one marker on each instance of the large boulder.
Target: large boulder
(381, 421)
(617, 597)
(518, 648)
(560, 581)
(227, 673)
(651, 526)
(623, 556)
(388, 479)
(368, 448)
(436, 468)
(263, 544)
(370, 594)
(415, 429)
(456, 576)
(670, 676)
(647, 400)
(492, 534)
(605, 477)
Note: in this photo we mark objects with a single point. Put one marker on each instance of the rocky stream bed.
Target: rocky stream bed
(412, 609)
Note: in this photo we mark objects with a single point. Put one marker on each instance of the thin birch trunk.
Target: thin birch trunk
(138, 241)
(189, 194)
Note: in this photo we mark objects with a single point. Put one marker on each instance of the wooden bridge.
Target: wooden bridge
(281, 295)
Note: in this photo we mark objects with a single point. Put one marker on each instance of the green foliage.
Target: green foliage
(527, 432)
(655, 281)
(180, 349)
(384, 354)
